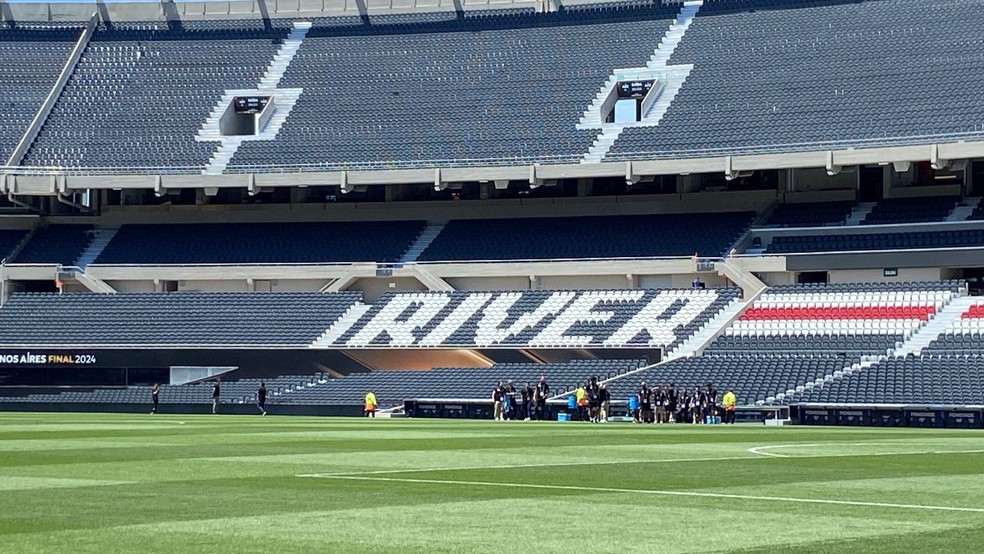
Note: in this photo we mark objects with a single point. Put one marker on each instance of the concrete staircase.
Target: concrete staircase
(283, 102)
(822, 381)
(961, 213)
(423, 241)
(344, 323)
(674, 35)
(592, 116)
(602, 145)
(696, 343)
(936, 326)
(100, 239)
(275, 71)
(859, 212)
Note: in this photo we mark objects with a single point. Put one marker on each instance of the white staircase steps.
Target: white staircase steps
(421, 243)
(602, 145)
(343, 324)
(961, 213)
(284, 100)
(100, 239)
(696, 343)
(936, 326)
(859, 212)
(672, 79)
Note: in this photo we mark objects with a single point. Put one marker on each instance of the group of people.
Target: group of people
(528, 402)
(261, 392)
(590, 402)
(666, 404)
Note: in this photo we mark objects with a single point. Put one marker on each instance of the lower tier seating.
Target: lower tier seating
(189, 319)
(925, 379)
(752, 377)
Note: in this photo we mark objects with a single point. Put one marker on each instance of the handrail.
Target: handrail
(617, 157)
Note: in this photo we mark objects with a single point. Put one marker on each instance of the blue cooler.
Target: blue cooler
(633, 404)
(563, 417)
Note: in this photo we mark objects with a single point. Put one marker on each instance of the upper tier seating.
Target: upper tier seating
(392, 387)
(56, 244)
(911, 210)
(876, 241)
(9, 239)
(142, 91)
(752, 377)
(810, 215)
(978, 213)
(251, 243)
(861, 322)
(925, 379)
(773, 75)
(507, 87)
(31, 58)
(536, 319)
(184, 318)
(588, 237)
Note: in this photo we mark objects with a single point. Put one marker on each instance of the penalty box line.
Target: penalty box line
(690, 494)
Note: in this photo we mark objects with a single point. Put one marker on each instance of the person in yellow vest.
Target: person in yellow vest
(581, 395)
(370, 404)
(729, 402)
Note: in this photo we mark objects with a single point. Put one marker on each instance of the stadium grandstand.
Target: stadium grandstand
(423, 199)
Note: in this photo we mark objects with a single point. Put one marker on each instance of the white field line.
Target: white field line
(756, 450)
(761, 451)
(666, 493)
(525, 466)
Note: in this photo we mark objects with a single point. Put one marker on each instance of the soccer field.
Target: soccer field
(201, 484)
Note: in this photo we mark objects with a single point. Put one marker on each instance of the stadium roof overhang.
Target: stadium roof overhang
(52, 181)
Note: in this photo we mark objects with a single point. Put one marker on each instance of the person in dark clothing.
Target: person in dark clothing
(658, 404)
(155, 397)
(645, 402)
(542, 392)
(261, 398)
(527, 394)
(497, 393)
(711, 395)
(594, 399)
(671, 401)
(509, 401)
(216, 395)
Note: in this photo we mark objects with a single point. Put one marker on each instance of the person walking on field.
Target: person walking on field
(216, 395)
(729, 402)
(370, 404)
(155, 396)
(261, 398)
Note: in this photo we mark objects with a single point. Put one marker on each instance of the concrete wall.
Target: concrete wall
(877, 275)
(114, 216)
(372, 288)
(489, 283)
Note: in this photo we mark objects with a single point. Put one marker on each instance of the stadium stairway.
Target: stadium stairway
(929, 332)
(696, 342)
(424, 239)
(100, 239)
(964, 210)
(341, 325)
(860, 212)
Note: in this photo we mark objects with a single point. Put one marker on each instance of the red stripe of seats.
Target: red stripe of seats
(851, 312)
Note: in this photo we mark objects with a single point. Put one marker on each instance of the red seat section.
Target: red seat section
(976, 311)
(847, 312)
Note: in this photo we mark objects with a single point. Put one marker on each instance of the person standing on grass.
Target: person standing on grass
(581, 399)
(527, 394)
(261, 398)
(155, 394)
(542, 393)
(605, 398)
(370, 404)
(216, 395)
(645, 402)
(729, 402)
(497, 393)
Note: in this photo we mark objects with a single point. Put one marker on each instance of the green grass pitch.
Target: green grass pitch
(72, 483)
